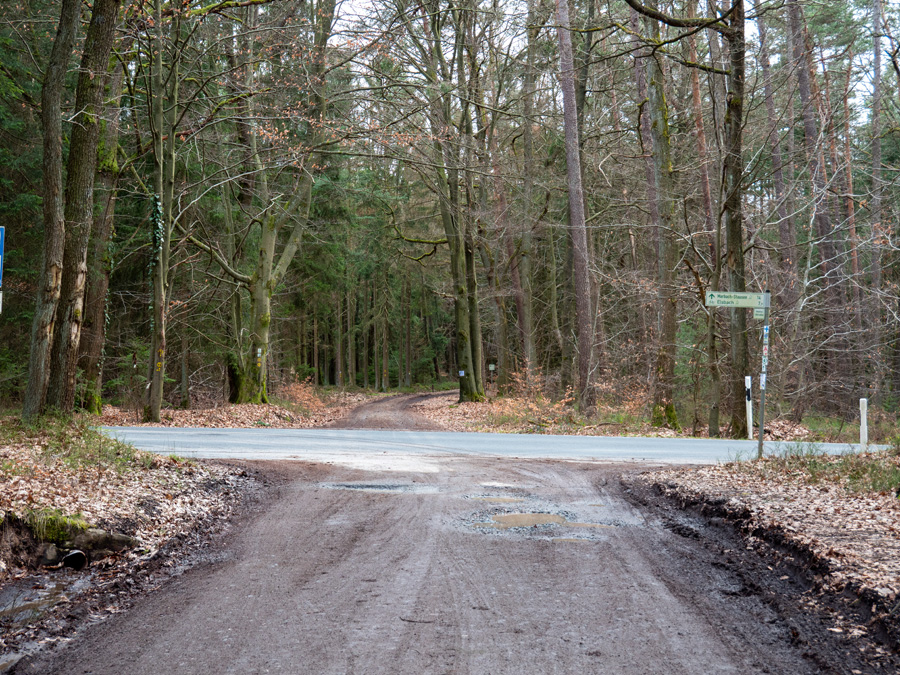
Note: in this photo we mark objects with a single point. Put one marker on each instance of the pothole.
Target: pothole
(506, 521)
(391, 488)
(499, 500)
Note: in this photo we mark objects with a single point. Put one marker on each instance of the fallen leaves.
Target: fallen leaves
(152, 501)
(247, 415)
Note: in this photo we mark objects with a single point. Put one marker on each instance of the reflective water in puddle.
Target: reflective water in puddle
(396, 488)
(505, 521)
(25, 601)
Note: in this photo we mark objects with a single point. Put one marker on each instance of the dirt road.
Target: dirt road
(393, 412)
(459, 565)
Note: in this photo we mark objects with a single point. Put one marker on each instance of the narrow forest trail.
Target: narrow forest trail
(393, 412)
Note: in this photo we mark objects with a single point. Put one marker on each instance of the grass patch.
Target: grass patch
(74, 442)
(51, 525)
(867, 472)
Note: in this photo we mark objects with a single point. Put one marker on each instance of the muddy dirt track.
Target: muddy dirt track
(460, 565)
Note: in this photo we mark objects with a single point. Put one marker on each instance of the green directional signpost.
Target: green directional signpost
(759, 303)
(726, 299)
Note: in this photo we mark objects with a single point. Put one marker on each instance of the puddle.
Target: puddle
(505, 521)
(25, 601)
(391, 488)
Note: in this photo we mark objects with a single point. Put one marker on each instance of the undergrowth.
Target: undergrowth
(528, 403)
(877, 472)
(75, 442)
(299, 396)
(53, 526)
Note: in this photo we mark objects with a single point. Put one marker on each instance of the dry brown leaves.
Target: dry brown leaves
(241, 416)
(153, 502)
(533, 414)
(857, 535)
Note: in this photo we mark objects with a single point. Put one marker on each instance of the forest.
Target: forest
(207, 200)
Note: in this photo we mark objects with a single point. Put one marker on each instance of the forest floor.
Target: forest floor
(829, 525)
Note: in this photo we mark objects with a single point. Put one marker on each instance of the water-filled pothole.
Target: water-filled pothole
(505, 521)
(394, 488)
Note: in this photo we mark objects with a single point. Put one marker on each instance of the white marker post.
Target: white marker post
(748, 385)
(863, 422)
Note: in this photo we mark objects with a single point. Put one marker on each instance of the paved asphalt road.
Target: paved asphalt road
(344, 444)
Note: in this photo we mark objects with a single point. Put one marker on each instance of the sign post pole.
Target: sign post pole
(758, 302)
(863, 422)
(762, 376)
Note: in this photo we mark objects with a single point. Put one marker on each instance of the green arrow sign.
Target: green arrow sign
(722, 299)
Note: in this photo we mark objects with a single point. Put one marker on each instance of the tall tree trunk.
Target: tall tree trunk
(663, 401)
(351, 338)
(577, 226)
(878, 230)
(409, 350)
(733, 171)
(851, 211)
(315, 350)
(366, 329)
(385, 349)
(646, 149)
(339, 366)
(93, 336)
(526, 244)
(81, 169)
(713, 227)
(163, 147)
(43, 325)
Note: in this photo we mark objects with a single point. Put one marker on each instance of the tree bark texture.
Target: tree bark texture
(93, 337)
(663, 401)
(81, 169)
(577, 227)
(44, 323)
(733, 171)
